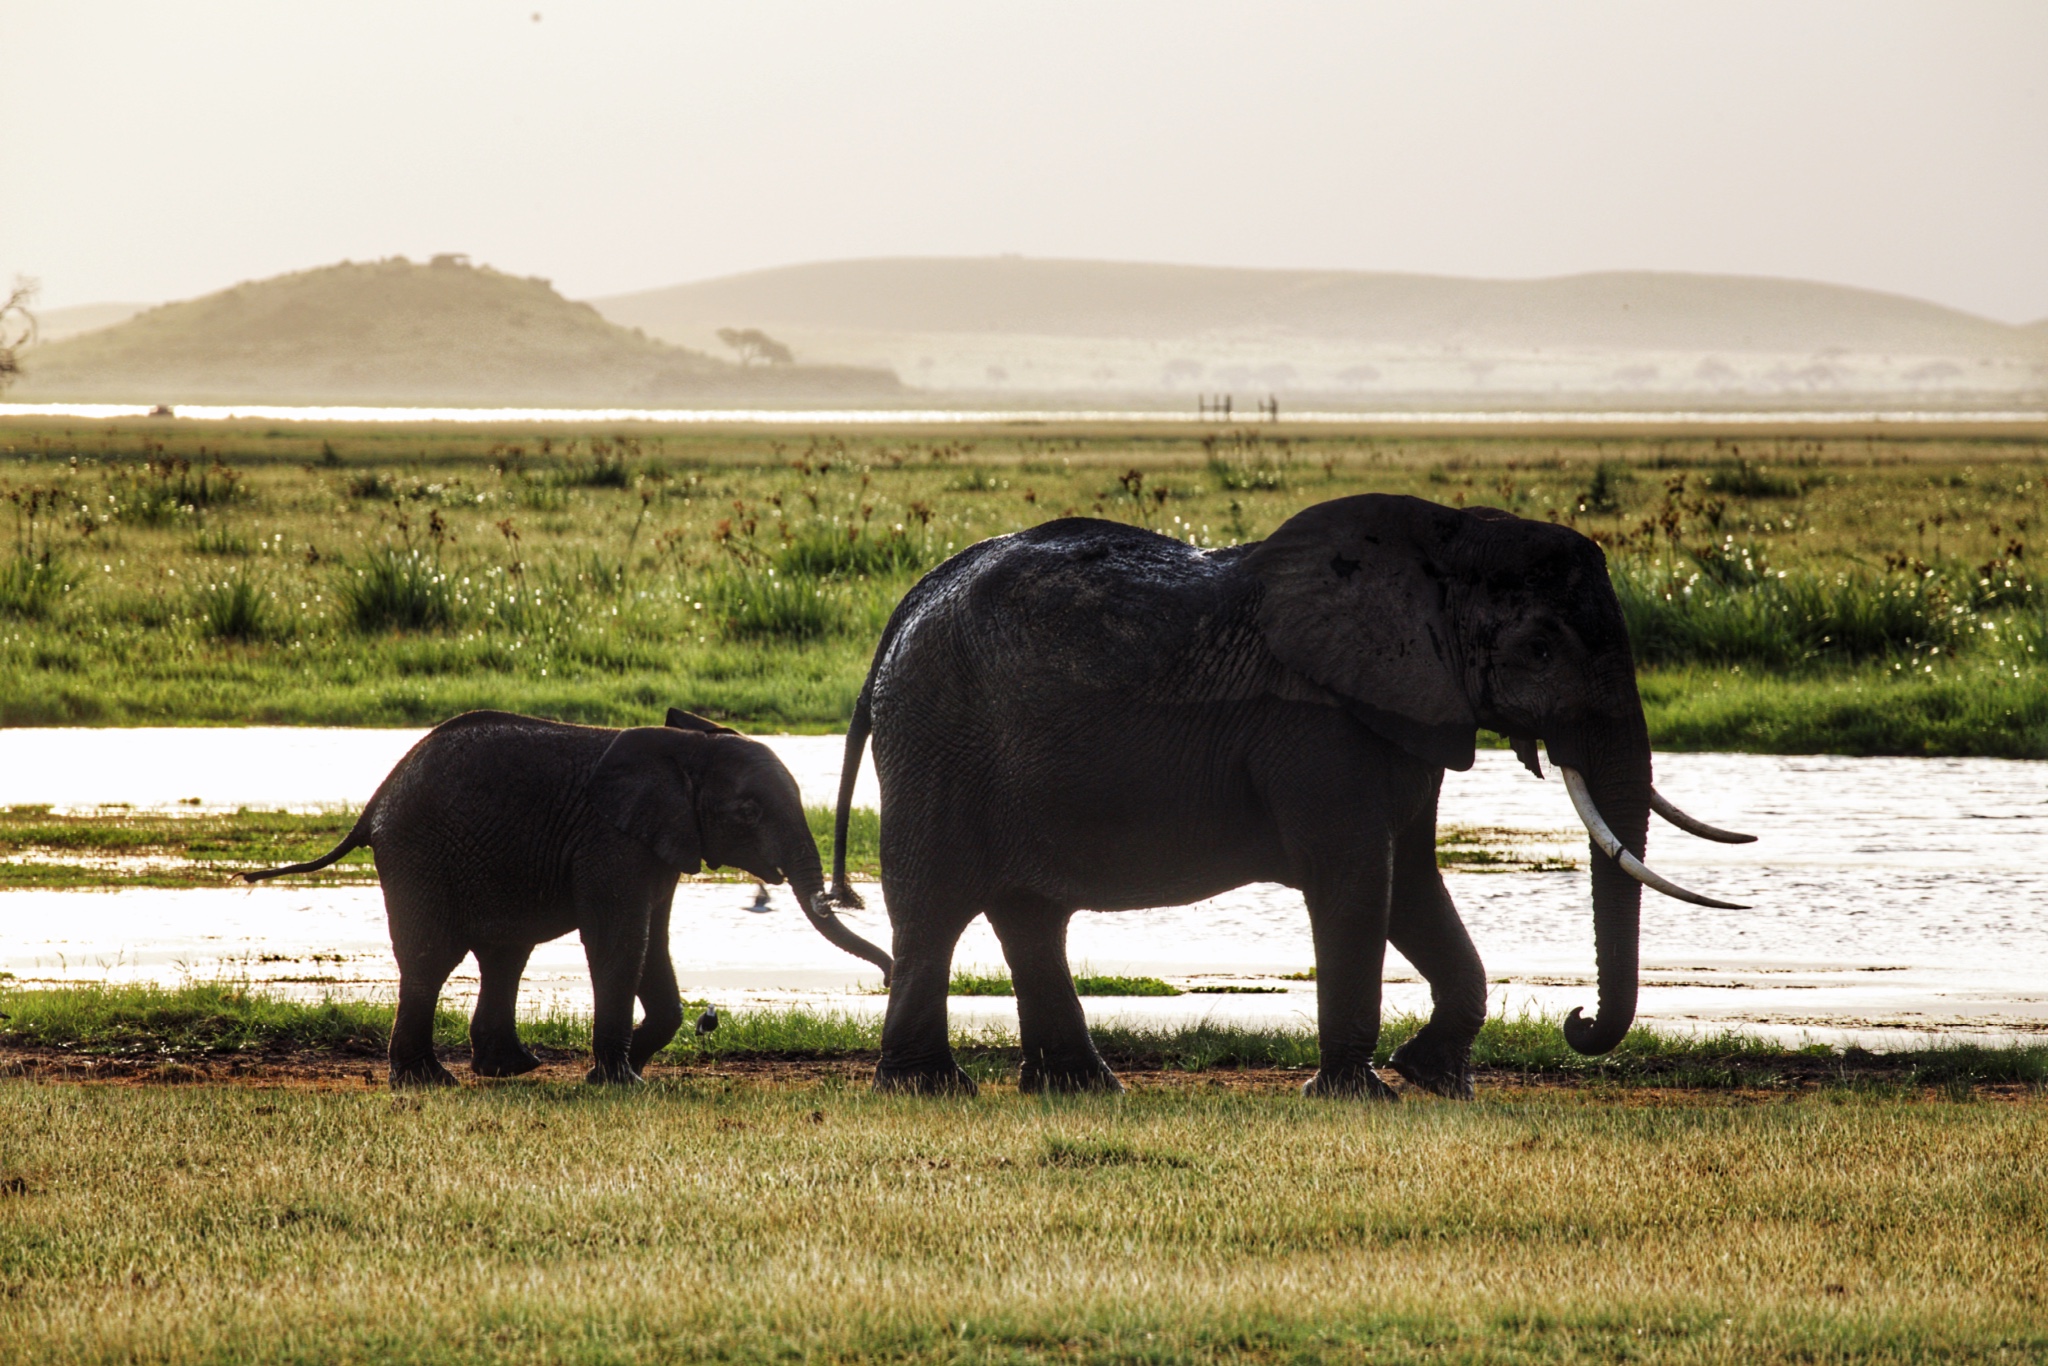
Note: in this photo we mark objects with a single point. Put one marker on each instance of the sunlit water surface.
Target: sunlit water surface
(894, 417)
(1891, 897)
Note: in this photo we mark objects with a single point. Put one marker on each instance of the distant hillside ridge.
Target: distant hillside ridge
(399, 332)
(55, 324)
(1647, 310)
(1010, 324)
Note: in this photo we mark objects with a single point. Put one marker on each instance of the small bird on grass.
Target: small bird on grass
(760, 899)
(707, 1023)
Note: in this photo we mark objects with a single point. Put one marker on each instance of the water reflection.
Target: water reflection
(894, 417)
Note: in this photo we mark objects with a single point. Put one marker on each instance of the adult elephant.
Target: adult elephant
(498, 832)
(1089, 715)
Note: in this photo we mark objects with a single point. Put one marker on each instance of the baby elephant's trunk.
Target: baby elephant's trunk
(807, 880)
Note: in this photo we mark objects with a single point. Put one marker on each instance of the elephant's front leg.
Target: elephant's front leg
(916, 1055)
(1347, 911)
(1059, 1054)
(1425, 928)
(615, 945)
(661, 1001)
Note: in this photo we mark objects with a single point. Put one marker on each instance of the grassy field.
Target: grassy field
(710, 1218)
(1850, 594)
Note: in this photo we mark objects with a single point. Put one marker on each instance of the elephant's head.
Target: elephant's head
(695, 792)
(1431, 622)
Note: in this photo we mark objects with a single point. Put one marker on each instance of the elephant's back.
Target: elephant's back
(1074, 603)
(485, 795)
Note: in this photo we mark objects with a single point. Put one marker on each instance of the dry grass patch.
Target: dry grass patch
(712, 1219)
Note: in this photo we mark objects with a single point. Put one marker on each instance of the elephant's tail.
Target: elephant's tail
(849, 771)
(357, 838)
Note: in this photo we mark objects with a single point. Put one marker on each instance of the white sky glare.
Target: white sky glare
(152, 151)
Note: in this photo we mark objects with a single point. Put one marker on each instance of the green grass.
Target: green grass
(237, 608)
(118, 847)
(1856, 595)
(32, 586)
(1781, 622)
(709, 1219)
(227, 1017)
(976, 982)
(1956, 710)
(396, 590)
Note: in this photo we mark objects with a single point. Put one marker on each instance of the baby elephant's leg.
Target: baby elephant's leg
(615, 945)
(661, 1001)
(422, 969)
(495, 1050)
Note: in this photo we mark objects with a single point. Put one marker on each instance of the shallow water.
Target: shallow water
(841, 417)
(1888, 895)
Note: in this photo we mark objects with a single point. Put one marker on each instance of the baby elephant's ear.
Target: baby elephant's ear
(686, 720)
(643, 786)
(1357, 597)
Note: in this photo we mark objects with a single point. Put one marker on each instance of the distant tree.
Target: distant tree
(756, 346)
(17, 328)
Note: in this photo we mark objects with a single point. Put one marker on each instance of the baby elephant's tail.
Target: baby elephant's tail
(355, 839)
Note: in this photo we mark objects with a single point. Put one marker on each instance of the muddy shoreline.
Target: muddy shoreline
(344, 1069)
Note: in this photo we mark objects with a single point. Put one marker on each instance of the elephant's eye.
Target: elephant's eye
(746, 811)
(1539, 650)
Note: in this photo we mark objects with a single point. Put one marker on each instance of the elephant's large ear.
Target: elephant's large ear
(643, 786)
(1356, 598)
(689, 720)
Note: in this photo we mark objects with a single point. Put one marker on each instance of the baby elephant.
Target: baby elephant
(498, 832)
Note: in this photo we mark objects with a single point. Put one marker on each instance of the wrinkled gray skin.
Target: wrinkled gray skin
(498, 832)
(1090, 715)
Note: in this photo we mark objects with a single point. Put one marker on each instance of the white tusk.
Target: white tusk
(1596, 826)
(1693, 826)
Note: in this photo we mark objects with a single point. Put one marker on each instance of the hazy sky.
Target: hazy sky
(154, 150)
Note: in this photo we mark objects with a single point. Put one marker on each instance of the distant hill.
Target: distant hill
(1067, 326)
(55, 324)
(399, 332)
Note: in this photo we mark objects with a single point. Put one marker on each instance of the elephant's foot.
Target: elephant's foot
(618, 1073)
(420, 1072)
(515, 1061)
(1360, 1083)
(1046, 1076)
(1434, 1066)
(946, 1080)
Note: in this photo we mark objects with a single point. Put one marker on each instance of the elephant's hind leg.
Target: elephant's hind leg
(422, 969)
(1425, 928)
(1059, 1054)
(915, 1053)
(495, 1050)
